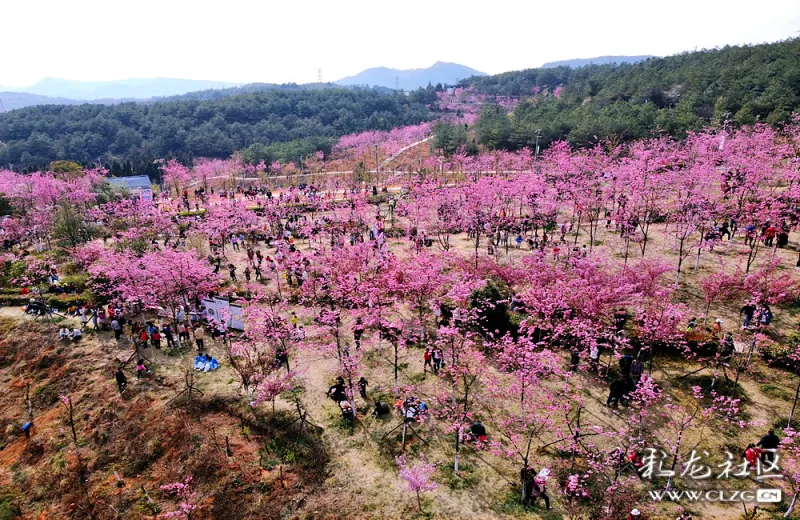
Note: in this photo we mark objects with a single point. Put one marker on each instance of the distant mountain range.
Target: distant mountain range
(115, 90)
(13, 100)
(600, 60)
(56, 91)
(411, 79)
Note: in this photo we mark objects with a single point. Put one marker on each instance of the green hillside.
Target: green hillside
(670, 95)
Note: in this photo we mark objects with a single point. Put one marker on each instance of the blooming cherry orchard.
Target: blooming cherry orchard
(526, 324)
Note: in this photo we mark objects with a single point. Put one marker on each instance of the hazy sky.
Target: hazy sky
(284, 41)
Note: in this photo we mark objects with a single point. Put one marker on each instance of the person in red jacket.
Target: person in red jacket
(427, 357)
(752, 454)
(769, 235)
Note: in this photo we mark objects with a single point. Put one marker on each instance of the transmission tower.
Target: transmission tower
(319, 75)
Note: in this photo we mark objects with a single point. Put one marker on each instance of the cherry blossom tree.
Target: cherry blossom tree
(417, 477)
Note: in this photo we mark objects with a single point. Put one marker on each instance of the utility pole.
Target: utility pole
(397, 82)
(538, 132)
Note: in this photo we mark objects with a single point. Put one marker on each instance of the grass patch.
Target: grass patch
(722, 386)
(465, 479)
(8, 509)
(776, 392)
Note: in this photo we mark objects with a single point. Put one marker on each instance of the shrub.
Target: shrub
(14, 300)
(493, 316)
(781, 355)
(8, 509)
(63, 302)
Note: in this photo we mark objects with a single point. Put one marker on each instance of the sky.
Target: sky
(281, 41)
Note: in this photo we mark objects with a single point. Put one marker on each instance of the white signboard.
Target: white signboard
(221, 310)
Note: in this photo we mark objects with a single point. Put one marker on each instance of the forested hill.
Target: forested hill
(140, 133)
(673, 95)
(249, 88)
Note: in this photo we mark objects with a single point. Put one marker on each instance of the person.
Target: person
(258, 272)
(26, 429)
(348, 414)
(336, 392)
(574, 360)
(616, 392)
(101, 319)
(381, 409)
(76, 334)
(281, 357)
(409, 409)
(199, 362)
(636, 459)
(748, 310)
(478, 431)
(594, 357)
(155, 337)
(625, 364)
(727, 347)
(766, 316)
(247, 273)
(634, 515)
(769, 443)
(183, 333)
(166, 329)
(620, 319)
(438, 358)
(362, 387)
(717, 327)
(752, 454)
(769, 235)
(540, 490)
(294, 320)
(117, 328)
(63, 334)
(637, 369)
(427, 356)
(141, 369)
(691, 325)
(210, 363)
(84, 317)
(358, 331)
(122, 381)
(685, 515)
(299, 334)
(232, 271)
(199, 334)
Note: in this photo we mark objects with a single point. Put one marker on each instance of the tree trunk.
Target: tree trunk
(794, 405)
(396, 378)
(791, 507)
(458, 450)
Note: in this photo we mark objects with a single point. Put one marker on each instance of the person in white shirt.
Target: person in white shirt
(594, 357)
